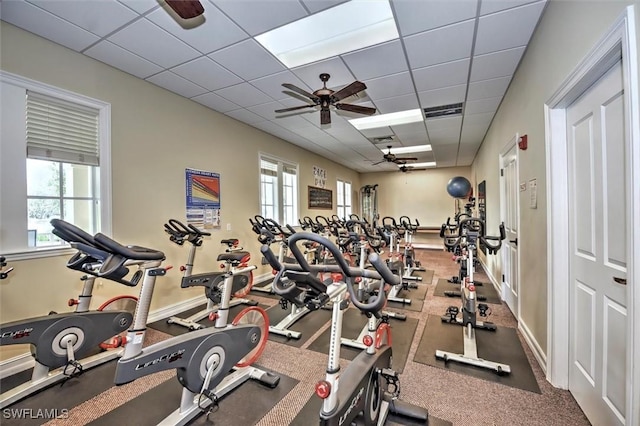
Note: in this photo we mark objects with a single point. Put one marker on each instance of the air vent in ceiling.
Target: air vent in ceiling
(383, 139)
(443, 111)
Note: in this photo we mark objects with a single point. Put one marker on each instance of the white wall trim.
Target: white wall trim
(618, 42)
(533, 344)
(494, 281)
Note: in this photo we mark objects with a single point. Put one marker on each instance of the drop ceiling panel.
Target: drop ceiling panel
(443, 75)
(140, 6)
(377, 133)
(247, 59)
(397, 103)
(317, 5)
(122, 59)
(383, 59)
(177, 84)
(266, 110)
(417, 16)
(272, 85)
(414, 139)
(476, 119)
(215, 32)
(245, 116)
(449, 135)
(507, 29)
(206, 73)
(340, 74)
(409, 129)
(389, 86)
(497, 64)
(491, 6)
(441, 45)
(444, 96)
(258, 16)
(154, 44)
(473, 134)
(47, 25)
(244, 95)
(215, 102)
(444, 123)
(488, 88)
(482, 105)
(98, 17)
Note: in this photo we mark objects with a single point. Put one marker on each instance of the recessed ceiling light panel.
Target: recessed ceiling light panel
(391, 119)
(409, 149)
(414, 165)
(344, 28)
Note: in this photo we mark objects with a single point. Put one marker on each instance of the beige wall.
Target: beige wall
(155, 135)
(566, 33)
(421, 194)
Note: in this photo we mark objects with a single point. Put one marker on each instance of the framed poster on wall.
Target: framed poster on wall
(320, 198)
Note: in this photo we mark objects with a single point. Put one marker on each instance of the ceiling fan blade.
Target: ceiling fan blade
(356, 108)
(294, 108)
(378, 162)
(405, 159)
(325, 116)
(349, 90)
(301, 91)
(186, 9)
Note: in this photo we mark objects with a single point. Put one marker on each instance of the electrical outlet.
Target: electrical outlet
(228, 227)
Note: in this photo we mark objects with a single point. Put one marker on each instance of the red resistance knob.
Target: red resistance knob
(73, 302)
(183, 268)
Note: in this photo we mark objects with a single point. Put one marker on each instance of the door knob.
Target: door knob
(619, 280)
(514, 241)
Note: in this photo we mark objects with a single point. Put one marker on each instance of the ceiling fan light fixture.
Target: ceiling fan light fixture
(344, 28)
(391, 119)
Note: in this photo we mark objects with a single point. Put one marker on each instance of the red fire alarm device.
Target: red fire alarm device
(522, 142)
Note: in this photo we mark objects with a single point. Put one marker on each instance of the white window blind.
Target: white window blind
(61, 131)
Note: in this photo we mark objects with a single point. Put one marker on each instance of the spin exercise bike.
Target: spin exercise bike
(368, 388)
(178, 234)
(470, 232)
(64, 345)
(202, 358)
(391, 233)
(409, 254)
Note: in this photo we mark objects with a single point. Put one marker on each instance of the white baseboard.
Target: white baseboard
(428, 246)
(493, 280)
(263, 279)
(540, 356)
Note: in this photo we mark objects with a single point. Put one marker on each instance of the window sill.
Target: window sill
(39, 253)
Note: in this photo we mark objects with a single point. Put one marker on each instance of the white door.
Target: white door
(509, 208)
(598, 255)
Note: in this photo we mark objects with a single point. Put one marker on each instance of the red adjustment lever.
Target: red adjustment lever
(73, 302)
(213, 316)
(222, 266)
(472, 287)
(166, 268)
(115, 342)
(336, 277)
(183, 268)
(274, 272)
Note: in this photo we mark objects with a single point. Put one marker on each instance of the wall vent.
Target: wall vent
(443, 111)
(383, 139)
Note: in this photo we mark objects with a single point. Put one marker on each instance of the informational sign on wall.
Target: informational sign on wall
(319, 177)
(203, 198)
(533, 187)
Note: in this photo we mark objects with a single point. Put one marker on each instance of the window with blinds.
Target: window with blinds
(343, 199)
(63, 159)
(279, 190)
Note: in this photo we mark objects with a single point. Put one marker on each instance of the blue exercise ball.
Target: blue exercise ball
(459, 187)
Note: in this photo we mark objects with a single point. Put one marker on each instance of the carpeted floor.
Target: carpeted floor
(448, 394)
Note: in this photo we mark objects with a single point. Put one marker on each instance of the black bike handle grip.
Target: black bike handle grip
(383, 270)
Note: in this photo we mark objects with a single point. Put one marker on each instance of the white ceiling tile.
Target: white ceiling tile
(120, 58)
(176, 84)
(414, 16)
(497, 64)
(444, 96)
(482, 119)
(473, 133)
(293, 122)
(507, 29)
(377, 132)
(47, 25)
(272, 85)
(390, 86)
(489, 105)
(443, 75)
(397, 103)
(206, 73)
(98, 17)
(247, 59)
(441, 45)
(258, 16)
(492, 88)
(445, 136)
(153, 43)
(445, 152)
(409, 129)
(244, 95)
(376, 61)
(214, 31)
(140, 6)
(266, 110)
(444, 123)
(215, 102)
(318, 5)
(245, 116)
(491, 6)
(415, 139)
(310, 74)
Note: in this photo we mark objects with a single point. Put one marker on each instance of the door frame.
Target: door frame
(619, 42)
(503, 196)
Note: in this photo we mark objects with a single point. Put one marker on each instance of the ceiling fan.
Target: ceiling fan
(325, 97)
(186, 9)
(392, 158)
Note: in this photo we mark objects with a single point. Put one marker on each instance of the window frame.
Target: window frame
(340, 202)
(16, 195)
(280, 187)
